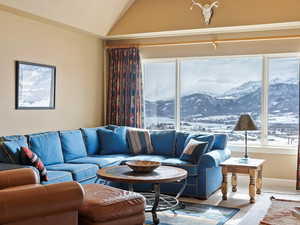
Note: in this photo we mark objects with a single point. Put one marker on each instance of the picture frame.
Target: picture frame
(35, 86)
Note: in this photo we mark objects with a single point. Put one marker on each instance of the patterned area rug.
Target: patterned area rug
(281, 213)
(194, 214)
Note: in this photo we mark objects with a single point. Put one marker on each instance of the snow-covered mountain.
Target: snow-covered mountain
(242, 90)
(283, 97)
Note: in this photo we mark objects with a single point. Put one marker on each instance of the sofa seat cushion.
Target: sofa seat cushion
(80, 172)
(47, 146)
(191, 168)
(104, 203)
(72, 143)
(102, 160)
(55, 177)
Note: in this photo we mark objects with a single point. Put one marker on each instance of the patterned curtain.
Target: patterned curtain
(125, 87)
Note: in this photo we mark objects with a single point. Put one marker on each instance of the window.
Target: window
(209, 94)
(283, 101)
(159, 92)
(214, 92)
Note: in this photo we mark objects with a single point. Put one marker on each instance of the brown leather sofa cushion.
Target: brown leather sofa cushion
(18, 177)
(103, 203)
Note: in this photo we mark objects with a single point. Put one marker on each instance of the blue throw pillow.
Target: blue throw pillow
(12, 151)
(139, 141)
(209, 138)
(113, 141)
(72, 145)
(91, 140)
(163, 142)
(193, 150)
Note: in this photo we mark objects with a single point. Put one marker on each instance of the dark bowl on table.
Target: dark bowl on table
(140, 166)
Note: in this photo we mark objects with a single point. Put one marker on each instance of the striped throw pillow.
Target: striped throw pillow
(193, 150)
(139, 141)
(36, 162)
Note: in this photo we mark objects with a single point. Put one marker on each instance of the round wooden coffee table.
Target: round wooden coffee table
(155, 200)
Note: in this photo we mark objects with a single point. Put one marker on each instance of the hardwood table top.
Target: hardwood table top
(163, 174)
(252, 163)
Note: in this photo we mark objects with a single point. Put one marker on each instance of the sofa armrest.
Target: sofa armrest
(18, 177)
(214, 158)
(38, 201)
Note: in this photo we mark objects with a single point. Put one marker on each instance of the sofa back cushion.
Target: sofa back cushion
(47, 146)
(92, 140)
(163, 142)
(113, 141)
(220, 141)
(72, 144)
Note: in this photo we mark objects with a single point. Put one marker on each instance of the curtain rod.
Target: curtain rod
(213, 42)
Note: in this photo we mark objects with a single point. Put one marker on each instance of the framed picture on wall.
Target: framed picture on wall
(35, 86)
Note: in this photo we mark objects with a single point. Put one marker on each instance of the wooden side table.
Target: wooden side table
(253, 167)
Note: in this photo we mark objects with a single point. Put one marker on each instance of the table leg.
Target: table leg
(252, 185)
(259, 181)
(234, 182)
(156, 188)
(224, 183)
(181, 204)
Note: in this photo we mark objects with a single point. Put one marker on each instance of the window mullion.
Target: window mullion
(177, 100)
(264, 102)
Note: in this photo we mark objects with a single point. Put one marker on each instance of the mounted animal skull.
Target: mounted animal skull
(207, 10)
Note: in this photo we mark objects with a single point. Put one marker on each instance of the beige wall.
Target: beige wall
(167, 15)
(228, 48)
(79, 62)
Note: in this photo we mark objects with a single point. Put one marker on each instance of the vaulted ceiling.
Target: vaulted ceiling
(94, 16)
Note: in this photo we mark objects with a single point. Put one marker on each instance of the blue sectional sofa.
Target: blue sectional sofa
(77, 155)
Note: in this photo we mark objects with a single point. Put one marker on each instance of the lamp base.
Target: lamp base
(244, 160)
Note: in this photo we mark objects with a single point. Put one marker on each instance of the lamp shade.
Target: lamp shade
(244, 123)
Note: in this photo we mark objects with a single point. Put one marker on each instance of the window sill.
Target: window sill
(265, 149)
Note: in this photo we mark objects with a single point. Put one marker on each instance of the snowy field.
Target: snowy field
(283, 128)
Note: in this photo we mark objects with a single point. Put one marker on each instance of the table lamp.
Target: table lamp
(245, 123)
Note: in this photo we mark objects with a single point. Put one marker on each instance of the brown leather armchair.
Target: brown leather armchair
(23, 201)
